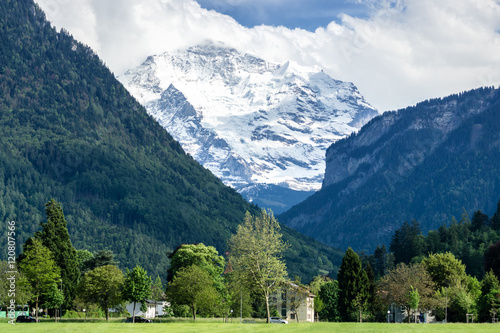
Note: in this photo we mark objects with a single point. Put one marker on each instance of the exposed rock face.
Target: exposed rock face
(370, 149)
(249, 121)
(426, 162)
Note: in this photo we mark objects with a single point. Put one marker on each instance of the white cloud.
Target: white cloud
(404, 52)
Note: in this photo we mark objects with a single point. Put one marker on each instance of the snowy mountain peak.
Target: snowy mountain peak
(248, 120)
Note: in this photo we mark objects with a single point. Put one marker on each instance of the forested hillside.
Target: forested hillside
(468, 239)
(70, 131)
(426, 163)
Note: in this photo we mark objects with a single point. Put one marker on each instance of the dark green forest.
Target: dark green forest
(468, 239)
(70, 131)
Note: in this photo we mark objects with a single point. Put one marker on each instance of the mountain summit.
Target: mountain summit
(249, 121)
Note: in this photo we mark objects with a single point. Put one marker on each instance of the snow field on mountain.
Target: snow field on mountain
(247, 120)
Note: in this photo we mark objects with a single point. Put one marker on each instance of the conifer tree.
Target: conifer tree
(157, 292)
(407, 242)
(54, 235)
(495, 220)
(353, 283)
(479, 221)
(492, 259)
(99, 259)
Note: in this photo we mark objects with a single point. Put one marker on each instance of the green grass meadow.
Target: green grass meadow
(207, 326)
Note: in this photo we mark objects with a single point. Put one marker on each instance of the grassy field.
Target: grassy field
(205, 326)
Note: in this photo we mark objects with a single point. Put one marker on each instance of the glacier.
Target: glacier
(249, 121)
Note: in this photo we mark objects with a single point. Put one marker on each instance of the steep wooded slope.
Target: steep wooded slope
(70, 131)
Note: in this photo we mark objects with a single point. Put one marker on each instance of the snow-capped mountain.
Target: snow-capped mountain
(248, 120)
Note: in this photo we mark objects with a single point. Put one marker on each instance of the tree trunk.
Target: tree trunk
(360, 316)
(268, 313)
(36, 308)
(133, 314)
(194, 312)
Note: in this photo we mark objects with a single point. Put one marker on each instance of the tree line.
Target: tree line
(200, 282)
(450, 273)
(53, 275)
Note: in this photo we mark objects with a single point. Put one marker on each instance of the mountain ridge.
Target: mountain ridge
(427, 162)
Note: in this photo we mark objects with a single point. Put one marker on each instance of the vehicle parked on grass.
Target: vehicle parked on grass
(278, 320)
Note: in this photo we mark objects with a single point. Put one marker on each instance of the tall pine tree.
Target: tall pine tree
(353, 285)
(495, 220)
(54, 235)
(407, 242)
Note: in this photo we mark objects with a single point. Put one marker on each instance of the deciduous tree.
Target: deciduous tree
(489, 304)
(413, 301)
(9, 274)
(256, 252)
(137, 287)
(193, 286)
(445, 269)
(397, 285)
(298, 295)
(82, 258)
(329, 294)
(102, 286)
(205, 257)
(53, 298)
(40, 268)
(316, 285)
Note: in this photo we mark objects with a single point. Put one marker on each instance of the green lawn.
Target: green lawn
(201, 326)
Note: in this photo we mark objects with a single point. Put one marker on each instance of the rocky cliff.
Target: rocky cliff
(426, 162)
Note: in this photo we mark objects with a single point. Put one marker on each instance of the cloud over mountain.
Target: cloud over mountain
(403, 52)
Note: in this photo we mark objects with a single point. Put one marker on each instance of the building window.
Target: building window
(283, 295)
(292, 316)
(283, 310)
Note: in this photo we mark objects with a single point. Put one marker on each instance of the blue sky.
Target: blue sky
(305, 14)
